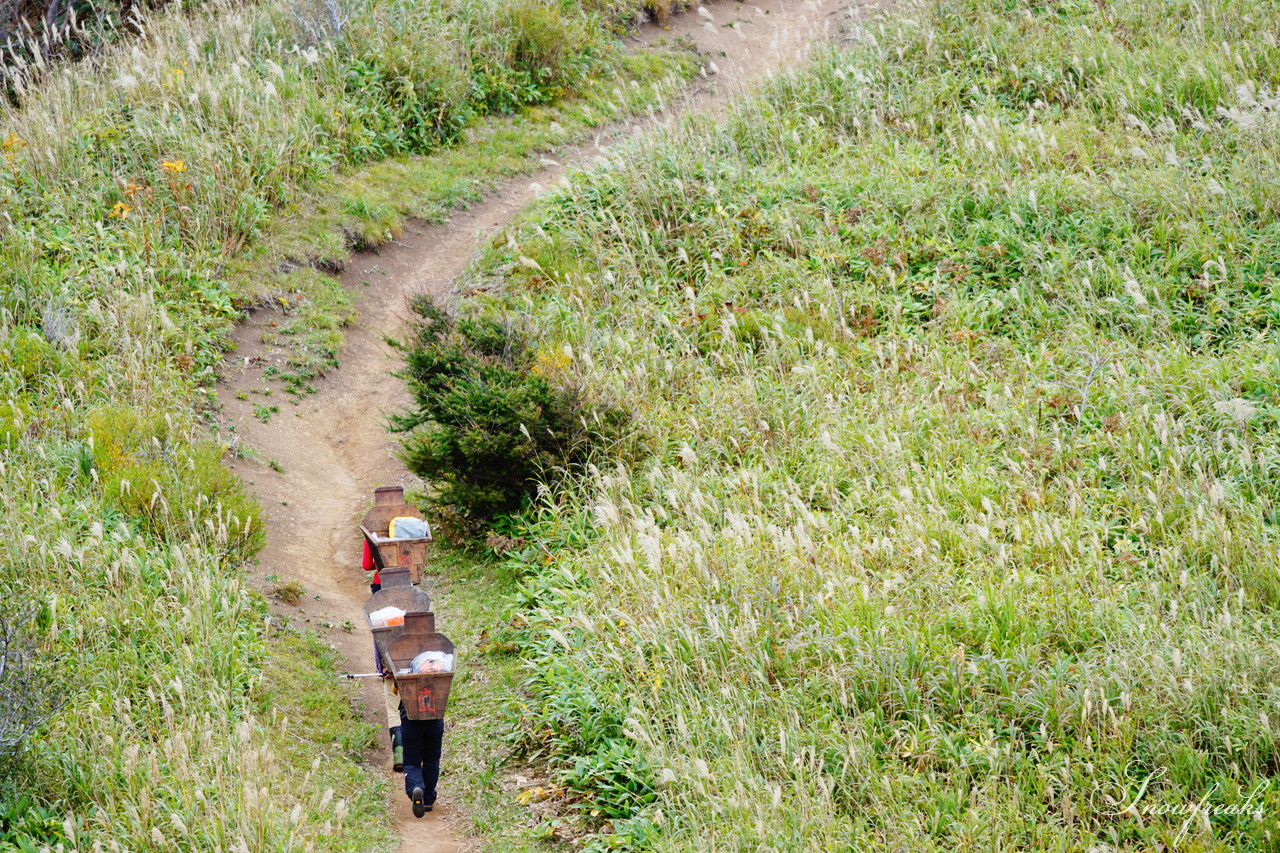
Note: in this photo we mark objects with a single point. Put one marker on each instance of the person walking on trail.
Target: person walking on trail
(390, 698)
(415, 744)
(423, 740)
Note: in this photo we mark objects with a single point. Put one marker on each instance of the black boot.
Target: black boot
(397, 749)
(419, 798)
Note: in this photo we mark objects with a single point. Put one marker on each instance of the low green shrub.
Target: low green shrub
(531, 53)
(409, 88)
(492, 417)
(570, 713)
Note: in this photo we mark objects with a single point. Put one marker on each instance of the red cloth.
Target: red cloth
(366, 562)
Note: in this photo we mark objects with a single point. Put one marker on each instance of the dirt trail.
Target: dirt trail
(332, 448)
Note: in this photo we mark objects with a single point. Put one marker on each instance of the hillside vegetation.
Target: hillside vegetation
(955, 359)
(140, 192)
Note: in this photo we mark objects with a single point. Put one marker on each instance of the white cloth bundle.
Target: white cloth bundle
(432, 661)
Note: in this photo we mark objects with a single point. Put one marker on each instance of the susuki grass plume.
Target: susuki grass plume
(130, 185)
(955, 353)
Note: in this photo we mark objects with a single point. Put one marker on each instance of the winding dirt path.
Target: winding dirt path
(332, 448)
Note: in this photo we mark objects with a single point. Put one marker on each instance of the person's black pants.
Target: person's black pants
(422, 741)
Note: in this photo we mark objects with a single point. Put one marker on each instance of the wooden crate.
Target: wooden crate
(395, 577)
(424, 694)
(412, 600)
(388, 503)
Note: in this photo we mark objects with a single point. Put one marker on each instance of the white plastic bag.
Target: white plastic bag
(386, 616)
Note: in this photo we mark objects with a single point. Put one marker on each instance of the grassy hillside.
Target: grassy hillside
(146, 197)
(955, 359)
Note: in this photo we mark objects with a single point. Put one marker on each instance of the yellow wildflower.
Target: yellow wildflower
(549, 362)
(175, 166)
(120, 211)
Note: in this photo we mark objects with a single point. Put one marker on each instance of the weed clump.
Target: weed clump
(290, 592)
(28, 358)
(26, 689)
(153, 473)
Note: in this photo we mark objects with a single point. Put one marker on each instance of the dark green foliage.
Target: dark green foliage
(486, 425)
(407, 88)
(26, 828)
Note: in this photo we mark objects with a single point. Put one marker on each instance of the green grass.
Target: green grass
(133, 185)
(954, 360)
(471, 596)
(289, 269)
(169, 673)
